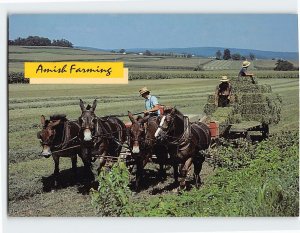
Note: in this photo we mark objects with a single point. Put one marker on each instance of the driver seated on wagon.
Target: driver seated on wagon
(151, 103)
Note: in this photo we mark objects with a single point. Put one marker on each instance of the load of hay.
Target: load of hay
(250, 102)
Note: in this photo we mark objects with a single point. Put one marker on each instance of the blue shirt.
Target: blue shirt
(243, 72)
(150, 102)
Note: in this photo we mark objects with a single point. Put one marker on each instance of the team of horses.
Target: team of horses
(170, 138)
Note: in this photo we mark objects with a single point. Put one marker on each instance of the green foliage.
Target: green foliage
(268, 185)
(40, 41)
(122, 51)
(17, 77)
(236, 56)
(226, 54)
(233, 155)
(251, 56)
(113, 194)
(147, 53)
(218, 55)
(153, 75)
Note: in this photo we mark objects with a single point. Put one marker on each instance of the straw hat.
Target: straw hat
(224, 79)
(246, 64)
(143, 90)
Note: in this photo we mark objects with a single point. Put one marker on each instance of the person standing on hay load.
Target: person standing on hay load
(151, 103)
(244, 73)
(223, 92)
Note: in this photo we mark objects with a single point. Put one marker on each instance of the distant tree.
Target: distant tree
(252, 56)
(40, 41)
(113, 51)
(147, 53)
(218, 55)
(236, 56)
(62, 43)
(282, 65)
(226, 54)
(243, 58)
(19, 41)
(122, 51)
(189, 55)
(37, 41)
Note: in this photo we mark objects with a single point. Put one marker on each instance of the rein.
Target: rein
(121, 115)
(185, 135)
(65, 140)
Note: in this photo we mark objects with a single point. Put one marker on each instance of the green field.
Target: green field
(18, 55)
(28, 102)
(174, 82)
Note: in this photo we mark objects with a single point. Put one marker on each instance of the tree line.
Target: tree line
(40, 41)
(226, 55)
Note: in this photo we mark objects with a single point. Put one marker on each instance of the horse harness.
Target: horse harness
(67, 141)
(184, 141)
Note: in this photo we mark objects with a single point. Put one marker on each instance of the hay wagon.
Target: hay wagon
(252, 109)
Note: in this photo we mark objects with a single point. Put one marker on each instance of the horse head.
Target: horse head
(88, 120)
(47, 135)
(137, 133)
(166, 124)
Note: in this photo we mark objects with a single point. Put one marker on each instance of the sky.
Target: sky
(268, 32)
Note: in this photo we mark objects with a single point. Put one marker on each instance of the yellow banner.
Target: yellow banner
(74, 69)
(76, 72)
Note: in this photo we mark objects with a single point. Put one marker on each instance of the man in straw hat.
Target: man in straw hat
(151, 102)
(244, 73)
(223, 92)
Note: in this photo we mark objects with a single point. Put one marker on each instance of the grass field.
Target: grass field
(171, 79)
(28, 102)
(18, 55)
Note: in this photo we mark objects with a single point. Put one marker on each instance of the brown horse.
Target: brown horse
(143, 144)
(186, 142)
(136, 142)
(100, 136)
(59, 138)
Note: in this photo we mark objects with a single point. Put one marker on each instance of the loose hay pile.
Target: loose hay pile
(250, 102)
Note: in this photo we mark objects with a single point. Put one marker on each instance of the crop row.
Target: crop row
(18, 77)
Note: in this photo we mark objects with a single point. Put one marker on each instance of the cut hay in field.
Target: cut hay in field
(249, 102)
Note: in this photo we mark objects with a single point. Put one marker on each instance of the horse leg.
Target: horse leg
(198, 161)
(86, 159)
(183, 173)
(175, 171)
(56, 169)
(162, 160)
(162, 171)
(74, 163)
(139, 173)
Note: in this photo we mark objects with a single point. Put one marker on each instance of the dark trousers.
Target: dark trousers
(223, 101)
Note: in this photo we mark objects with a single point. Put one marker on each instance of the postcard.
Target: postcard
(152, 115)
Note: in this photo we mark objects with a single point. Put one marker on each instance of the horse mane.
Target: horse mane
(56, 117)
(178, 113)
(88, 107)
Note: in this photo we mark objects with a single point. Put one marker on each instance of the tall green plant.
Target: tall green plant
(113, 193)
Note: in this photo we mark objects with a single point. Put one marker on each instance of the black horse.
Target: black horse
(186, 142)
(59, 138)
(100, 136)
